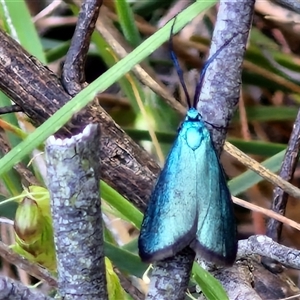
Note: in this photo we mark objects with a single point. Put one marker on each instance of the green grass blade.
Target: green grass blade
(249, 178)
(124, 260)
(127, 22)
(21, 28)
(261, 113)
(210, 286)
(130, 212)
(107, 54)
(258, 147)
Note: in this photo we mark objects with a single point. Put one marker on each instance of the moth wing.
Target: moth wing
(170, 221)
(216, 230)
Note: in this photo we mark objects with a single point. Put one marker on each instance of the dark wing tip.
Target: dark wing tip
(151, 254)
(215, 257)
(148, 257)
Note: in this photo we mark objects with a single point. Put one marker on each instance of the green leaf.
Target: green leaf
(109, 58)
(20, 26)
(33, 228)
(262, 113)
(123, 206)
(249, 178)
(127, 22)
(257, 147)
(114, 288)
(125, 260)
(132, 246)
(210, 286)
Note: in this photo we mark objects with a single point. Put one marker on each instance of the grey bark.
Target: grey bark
(73, 182)
(14, 290)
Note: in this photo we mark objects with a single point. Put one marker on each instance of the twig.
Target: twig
(268, 212)
(26, 175)
(10, 109)
(280, 196)
(11, 289)
(290, 4)
(73, 182)
(249, 280)
(73, 76)
(262, 171)
(287, 170)
(170, 277)
(129, 287)
(46, 11)
(265, 246)
(217, 105)
(31, 268)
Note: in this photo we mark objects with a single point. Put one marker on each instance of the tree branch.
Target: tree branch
(11, 289)
(265, 246)
(31, 268)
(73, 76)
(73, 182)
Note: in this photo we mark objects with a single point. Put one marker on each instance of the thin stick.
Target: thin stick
(261, 170)
(268, 212)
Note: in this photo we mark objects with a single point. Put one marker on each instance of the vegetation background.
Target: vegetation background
(261, 128)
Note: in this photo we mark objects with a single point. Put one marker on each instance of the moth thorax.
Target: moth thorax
(193, 137)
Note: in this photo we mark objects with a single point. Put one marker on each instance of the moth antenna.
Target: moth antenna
(206, 65)
(177, 66)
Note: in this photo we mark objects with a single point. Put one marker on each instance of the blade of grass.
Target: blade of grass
(147, 120)
(124, 260)
(122, 205)
(21, 28)
(262, 113)
(249, 178)
(109, 58)
(210, 286)
(127, 22)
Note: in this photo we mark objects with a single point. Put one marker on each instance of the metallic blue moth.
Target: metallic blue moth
(191, 204)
